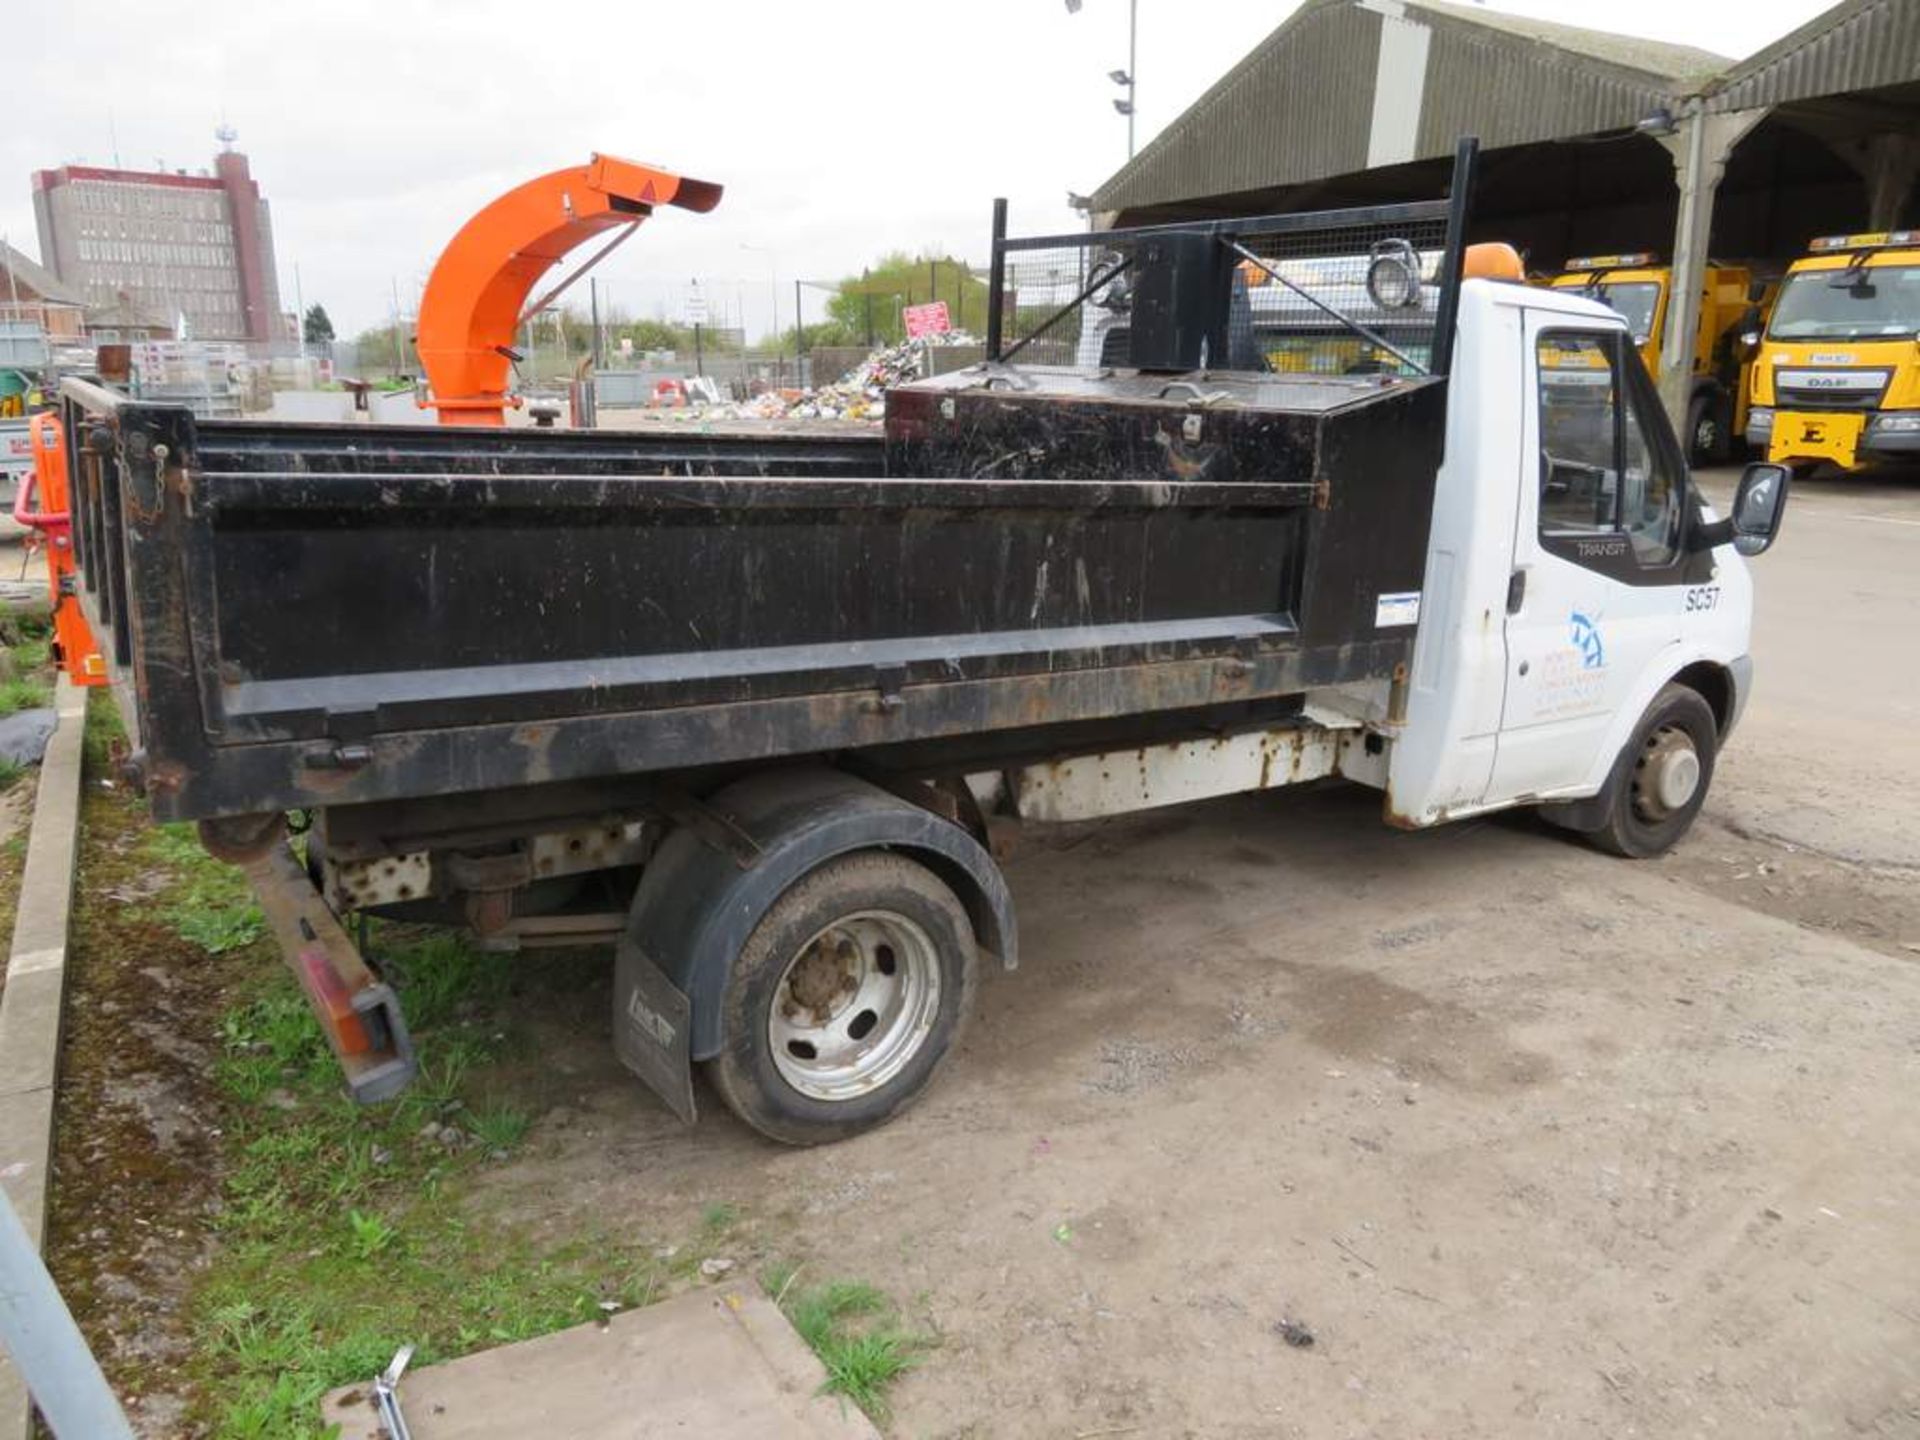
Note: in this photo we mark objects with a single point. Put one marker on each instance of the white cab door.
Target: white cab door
(1599, 572)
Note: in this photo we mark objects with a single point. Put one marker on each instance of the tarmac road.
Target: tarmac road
(1532, 1141)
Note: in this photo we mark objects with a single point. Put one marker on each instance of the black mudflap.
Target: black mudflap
(651, 1034)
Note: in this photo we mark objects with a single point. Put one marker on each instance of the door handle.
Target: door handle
(1516, 591)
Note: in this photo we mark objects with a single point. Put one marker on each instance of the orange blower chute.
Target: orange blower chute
(477, 295)
(74, 646)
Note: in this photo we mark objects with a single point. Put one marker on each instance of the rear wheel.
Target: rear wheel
(1661, 780)
(845, 999)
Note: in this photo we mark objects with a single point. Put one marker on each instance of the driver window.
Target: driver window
(1577, 435)
(1603, 473)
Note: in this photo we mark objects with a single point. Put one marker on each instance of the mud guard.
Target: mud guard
(651, 1034)
(698, 901)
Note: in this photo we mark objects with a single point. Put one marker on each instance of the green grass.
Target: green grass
(103, 731)
(28, 640)
(855, 1331)
(371, 1234)
(23, 693)
(498, 1128)
(343, 1231)
(209, 902)
(10, 774)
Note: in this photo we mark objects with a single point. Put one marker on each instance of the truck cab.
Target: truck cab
(1837, 378)
(1637, 288)
(1559, 623)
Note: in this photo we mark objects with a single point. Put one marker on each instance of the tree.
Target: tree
(316, 327)
(873, 301)
(827, 332)
(379, 351)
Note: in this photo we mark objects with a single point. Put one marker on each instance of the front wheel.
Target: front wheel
(1707, 431)
(845, 999)
(1660, 781)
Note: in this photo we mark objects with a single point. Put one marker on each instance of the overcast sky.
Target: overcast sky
(841, 130)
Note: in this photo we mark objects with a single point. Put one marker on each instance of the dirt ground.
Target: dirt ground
(1531, 1141)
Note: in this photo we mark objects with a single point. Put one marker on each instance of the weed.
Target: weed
(32, 654)
(29, 643)
(102, 732)
(371, 1234)
(23, 694)
(719, 1218)
(317, 1194)
(853, 1329)
(10, 773)
(210, 904)
(440, 976)
(218, 931)
(498, 1127)
(283, 1315)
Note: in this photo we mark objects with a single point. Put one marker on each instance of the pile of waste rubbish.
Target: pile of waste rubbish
(860, 394)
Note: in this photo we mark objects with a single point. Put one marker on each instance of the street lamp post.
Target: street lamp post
(1128, 77)
(773, 302)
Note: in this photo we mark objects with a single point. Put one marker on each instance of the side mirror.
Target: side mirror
(1758, 506)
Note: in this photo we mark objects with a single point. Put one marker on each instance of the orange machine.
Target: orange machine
(477, 295)
(72, 637)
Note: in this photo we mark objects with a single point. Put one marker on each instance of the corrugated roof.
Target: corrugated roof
(1299, 107)
(31, 275)
(1857, 45)
(1300, 100)
(1652, 57)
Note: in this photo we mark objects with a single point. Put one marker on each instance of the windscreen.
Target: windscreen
(1869, 303)
(1635, 301)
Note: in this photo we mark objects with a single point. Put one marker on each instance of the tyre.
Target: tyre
(1660, 781)
(1707, 433)
(845, 999)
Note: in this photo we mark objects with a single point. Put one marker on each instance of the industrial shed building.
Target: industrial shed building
(1591, 142)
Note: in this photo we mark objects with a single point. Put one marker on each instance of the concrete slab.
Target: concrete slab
(31, 1005)
(719, 1364)
(25, 1165)
(46, 885)
(30, 1014)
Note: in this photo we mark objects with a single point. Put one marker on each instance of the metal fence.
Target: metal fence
(1334, 292)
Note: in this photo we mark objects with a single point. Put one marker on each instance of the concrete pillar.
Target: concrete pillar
(1700, 145)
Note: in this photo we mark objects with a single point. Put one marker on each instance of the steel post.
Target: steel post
(47, 1347)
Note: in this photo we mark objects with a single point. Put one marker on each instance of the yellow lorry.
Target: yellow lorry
(1636, 287)
(1837, 378)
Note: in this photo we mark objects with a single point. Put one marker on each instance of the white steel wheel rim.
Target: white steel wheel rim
(1668, 774)
(854, 1005)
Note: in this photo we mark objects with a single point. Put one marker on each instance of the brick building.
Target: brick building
(32, 295)
(166, 243)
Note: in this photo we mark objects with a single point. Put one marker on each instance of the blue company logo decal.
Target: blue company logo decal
(1586, 639)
